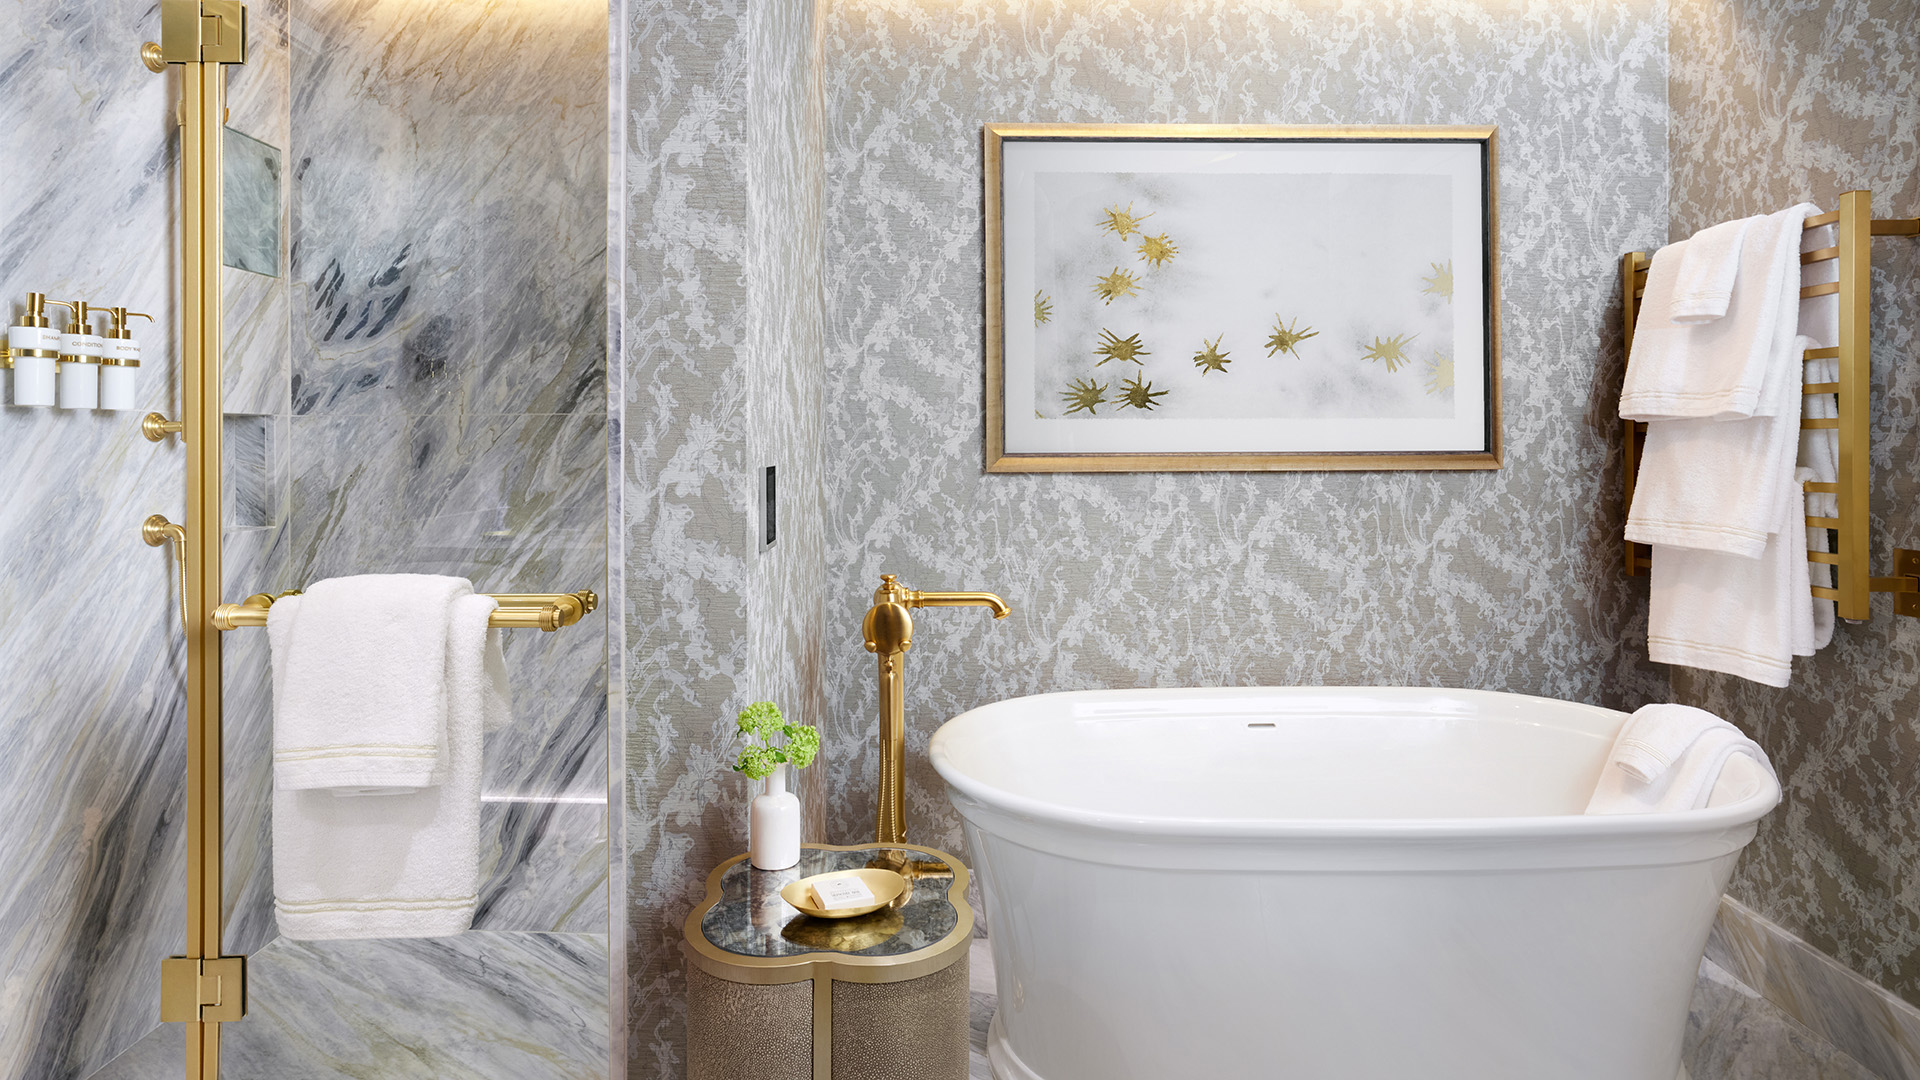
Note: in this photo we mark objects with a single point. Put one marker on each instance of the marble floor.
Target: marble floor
(1732, 1032)
(484, 1005)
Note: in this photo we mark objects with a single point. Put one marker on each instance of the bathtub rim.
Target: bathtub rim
(1746, 812)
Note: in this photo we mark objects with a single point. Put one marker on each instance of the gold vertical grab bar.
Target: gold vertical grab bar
(202, 988)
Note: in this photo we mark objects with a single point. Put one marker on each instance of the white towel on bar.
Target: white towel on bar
(400, 865)
(360, 696)
(1746, 617)
(1670, 758)
(1820, 449)
(1703, 285)
(1717, 369)
(1717, 485)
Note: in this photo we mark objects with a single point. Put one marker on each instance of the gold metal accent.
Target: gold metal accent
(864, 931)
(117, 331)
(771, 970)
(997, 458)
(888, 630)
(885, 885)
(202, 36)
(525, 611)
(36, 317)
(157, 530)
(157, 427)
(200, 990)
(1634, 267)
(199, 32)
(1852, 250)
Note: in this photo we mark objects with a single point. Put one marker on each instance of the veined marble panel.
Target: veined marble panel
(486, 1006)
(450, 206)
(1501, 580)
(91, 889)
(1775, 103)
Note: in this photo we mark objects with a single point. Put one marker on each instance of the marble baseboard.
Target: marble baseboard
(1865, 1020)
(486, 1006)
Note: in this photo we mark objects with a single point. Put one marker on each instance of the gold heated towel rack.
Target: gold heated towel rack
(1855, 229)
(204, 988)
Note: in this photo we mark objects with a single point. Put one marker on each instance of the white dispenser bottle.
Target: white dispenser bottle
(120, 361)
(80, 351)
(36, 348)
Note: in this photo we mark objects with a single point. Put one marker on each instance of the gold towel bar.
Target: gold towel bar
(531, 611)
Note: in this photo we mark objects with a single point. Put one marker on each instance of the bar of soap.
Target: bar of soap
(844, 892)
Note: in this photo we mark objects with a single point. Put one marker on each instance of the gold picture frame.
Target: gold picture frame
(1047, 152)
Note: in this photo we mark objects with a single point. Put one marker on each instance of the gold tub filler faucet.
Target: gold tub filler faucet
(889, 634)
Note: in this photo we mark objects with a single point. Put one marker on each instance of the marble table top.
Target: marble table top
(750, 919)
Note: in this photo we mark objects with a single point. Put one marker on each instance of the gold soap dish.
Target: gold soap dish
(885, 885)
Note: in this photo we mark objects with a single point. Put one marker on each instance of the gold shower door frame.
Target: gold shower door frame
(203, 988)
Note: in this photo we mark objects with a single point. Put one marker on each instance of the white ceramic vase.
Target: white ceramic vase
(773, 825)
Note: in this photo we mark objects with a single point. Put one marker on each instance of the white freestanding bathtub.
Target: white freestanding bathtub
(1331, 884)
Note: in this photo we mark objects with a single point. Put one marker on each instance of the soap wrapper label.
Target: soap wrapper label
(835, 893)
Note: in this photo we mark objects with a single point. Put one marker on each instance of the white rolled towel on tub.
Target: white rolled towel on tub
(1669, 758)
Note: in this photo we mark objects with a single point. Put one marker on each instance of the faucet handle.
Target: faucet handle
(888, 628)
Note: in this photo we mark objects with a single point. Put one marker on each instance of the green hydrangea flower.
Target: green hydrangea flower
(760, 723)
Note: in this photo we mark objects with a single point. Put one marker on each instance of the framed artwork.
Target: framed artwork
(1204, 297)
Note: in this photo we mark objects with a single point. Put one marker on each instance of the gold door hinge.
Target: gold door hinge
(201, 31)
(194, 990)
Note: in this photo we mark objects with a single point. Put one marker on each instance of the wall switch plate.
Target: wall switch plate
(768, 503)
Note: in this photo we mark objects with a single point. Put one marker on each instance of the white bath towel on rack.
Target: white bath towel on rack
(400, 865)
(359, 681)
(1720, 368)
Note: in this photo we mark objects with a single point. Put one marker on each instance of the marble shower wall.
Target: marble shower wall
(1503, 580)
(722, 376)
(91, 713)
(448, 403)
(1775, 103)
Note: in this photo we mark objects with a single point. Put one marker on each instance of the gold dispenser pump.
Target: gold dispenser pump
(889, 634)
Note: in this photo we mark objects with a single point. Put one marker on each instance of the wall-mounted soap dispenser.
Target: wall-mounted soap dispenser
(34, 347)
(80, 351)
(120, 361)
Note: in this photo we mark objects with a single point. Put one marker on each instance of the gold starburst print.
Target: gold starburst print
(1156, 250)
(1042, 309)
(1085, 394)
(1121, 223)
(1439, 373)
(1114, 347)
(1116, 285)
(1286, 336)
(1440, 282)
(1390, 351)
(1140, 395)
(1211, 358)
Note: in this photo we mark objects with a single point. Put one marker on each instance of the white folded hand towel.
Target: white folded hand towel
(1717, 369)
(400, 865)
(1697, 746)
(1704, 284)
(360, 698)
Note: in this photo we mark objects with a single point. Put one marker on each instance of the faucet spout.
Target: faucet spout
(888, 630)
(960, 599)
